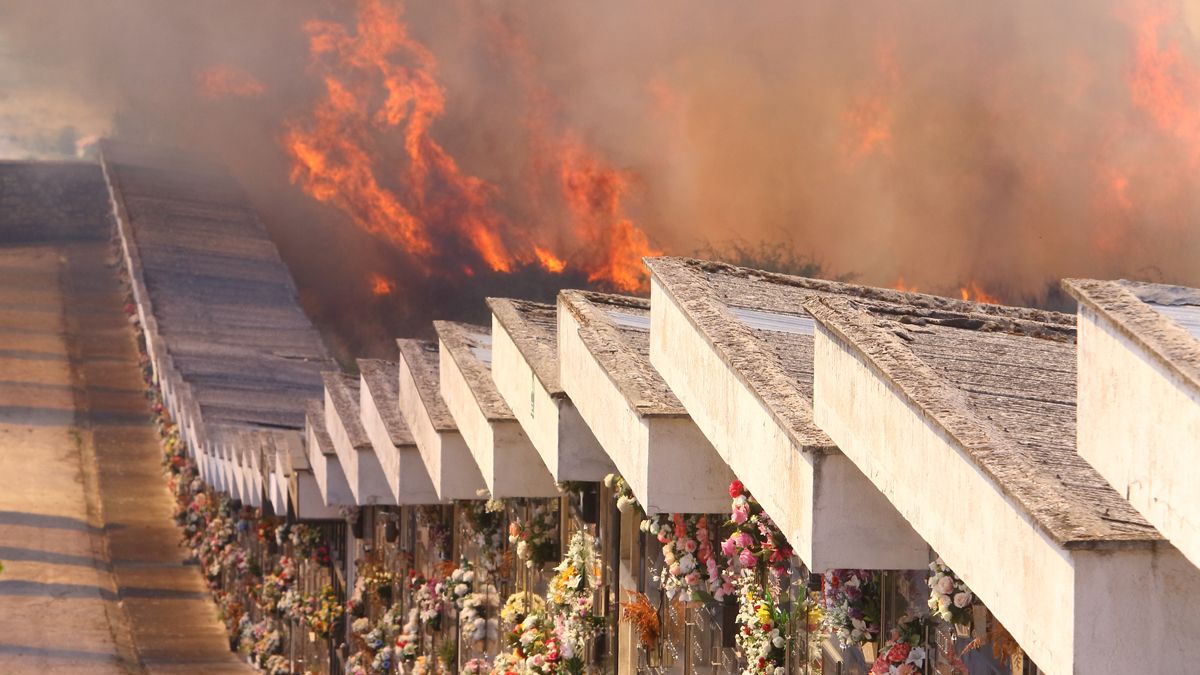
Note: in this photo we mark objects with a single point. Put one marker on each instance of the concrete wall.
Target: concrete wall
(666, 461)
(447, 459)
(560, 436)
(509, 463)
(1139, 425)
(402, 468)
(310, 504)
(1139, 611)
(331, 482)
(1022, 576)
(831, 514)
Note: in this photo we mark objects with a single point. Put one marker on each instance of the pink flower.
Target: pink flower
(690, 545)
(728, 547)
(736, 488)
(743, 540)
(746, 558)
(740, 515)
(675, 570)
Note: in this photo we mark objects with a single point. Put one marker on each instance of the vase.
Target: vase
(870, 652)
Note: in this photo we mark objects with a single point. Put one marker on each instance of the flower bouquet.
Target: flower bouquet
(761, 621)
(904, 652)
(569, 601)
(536, 535)
(626, 502)
(691, 567)
(850, 603)
(949, 596)
(756, 542)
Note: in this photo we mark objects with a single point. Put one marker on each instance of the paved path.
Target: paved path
(93, 581)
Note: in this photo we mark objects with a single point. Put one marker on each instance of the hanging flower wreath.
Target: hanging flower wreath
(275, 584)
(536, 535)
(850, 602)
(520, 605)
(949, 596)
(691, 567)
(904, 653)
(760, 636)
(569, 601)
(626, 502)
(756, 542)
(427, 597)
(322, 612)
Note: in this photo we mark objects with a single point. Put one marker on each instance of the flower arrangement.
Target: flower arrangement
(535, 535)
(639, 613)
(408, 642)
(850, 603)
(691, 567)
(476, 667)
(569, 600)
(626, 502)
(427, 596)
(520, 605)
(483, 519)
(275, 584)
(322, 612)
(760, 620)
(534, 648)
(756, 542)
(429, 518)
(904, 652)
(949, 596)
(309, 543)
(473, 613)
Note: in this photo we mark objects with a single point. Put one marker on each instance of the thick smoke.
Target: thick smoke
(939, 143)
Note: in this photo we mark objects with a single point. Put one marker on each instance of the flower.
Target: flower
(961, 600)
(736, 488)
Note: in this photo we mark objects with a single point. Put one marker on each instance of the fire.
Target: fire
(1164, 83)
(549, 261)
(900, 285)
(381, 90)
(381, 285)
(973, 293)
(227, 81)
(381, 93)
(868, 119)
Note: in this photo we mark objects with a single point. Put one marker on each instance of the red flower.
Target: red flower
(899, 652)
(736, 489)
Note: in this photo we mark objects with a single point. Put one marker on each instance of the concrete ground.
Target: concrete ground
(93, 580)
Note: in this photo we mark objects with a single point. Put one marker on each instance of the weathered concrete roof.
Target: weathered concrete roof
(1163, 319)
(224, 306)
(44, 201)
(616, 331)
(533, 327)
(343, 391)
(422, 359)
(757, 323)
(314, 413)
(1004, 391)
(382, 382)
(471, 348)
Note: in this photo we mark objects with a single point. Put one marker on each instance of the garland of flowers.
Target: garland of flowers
(427, 595)
(850, 602)
(569, 601)
(904, 652)
(322, 612)
(536, 535)
(691, 567)
(760, 619)
(626, 502)
(756, 542)
(949, 596)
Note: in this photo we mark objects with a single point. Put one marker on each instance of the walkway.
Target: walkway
(94, 581)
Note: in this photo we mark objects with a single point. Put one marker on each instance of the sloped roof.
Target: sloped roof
(471, 348)
(757, 323)
(1004, 391)
(533, 327)
(1163, 319)
(343, 392)
(53, 201)
(314, 412)
(421, 356)
(616, 331)
(382, 380)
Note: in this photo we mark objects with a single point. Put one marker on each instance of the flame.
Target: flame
(381, 285)
(225, 81)
(973, 293)
(900, 285)
(868, 119)
(381, 89)
(549, 261)
(1164, 83)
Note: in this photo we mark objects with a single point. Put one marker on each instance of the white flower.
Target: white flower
(945, 585)
(468, 576)
(916, 656)
(961, 600)
(461, 589)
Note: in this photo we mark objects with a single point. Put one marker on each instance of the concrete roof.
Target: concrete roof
(616, 331)
(220, 308)
(757, 323)
(381, 378)
(1004, 390)
(49, 201)
(471, 348)
(422, 359)
(343, 391)
(1163, 319)
(533, 327)
(314, 412)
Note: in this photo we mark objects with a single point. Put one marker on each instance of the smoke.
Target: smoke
(1004, 145)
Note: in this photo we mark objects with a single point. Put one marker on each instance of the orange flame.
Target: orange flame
(1163, 83)
(225, 81)
(868, 119)
(334, 156)
(973, 293)
(549, 261)
(900, 285)
(381, 285)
